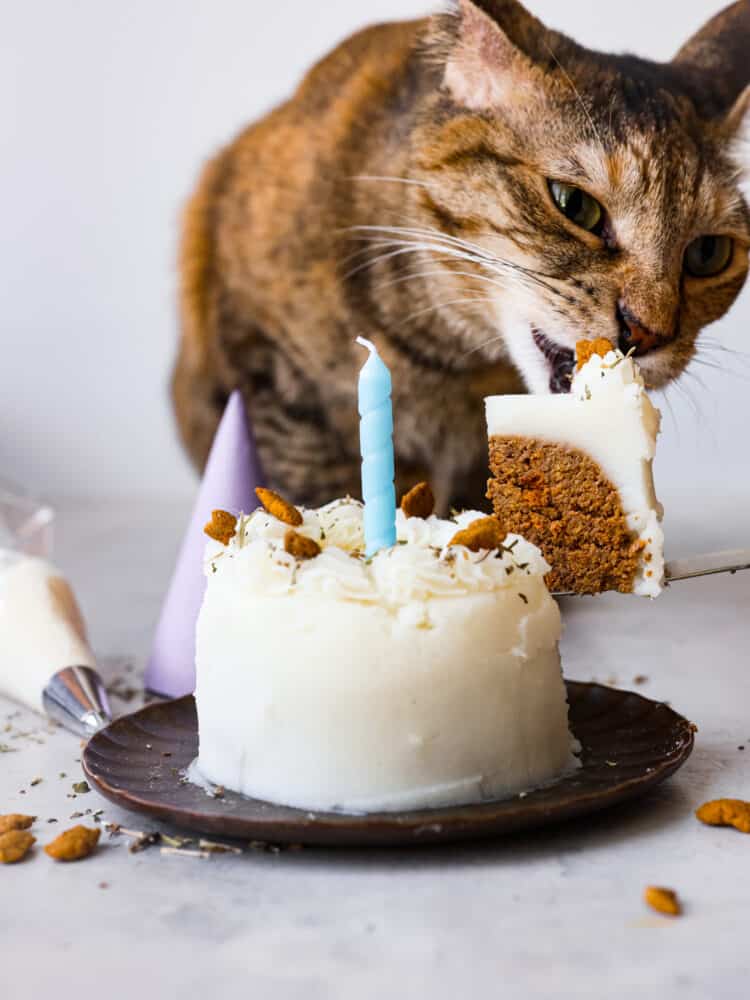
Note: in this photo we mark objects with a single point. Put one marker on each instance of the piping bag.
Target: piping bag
(46, 662)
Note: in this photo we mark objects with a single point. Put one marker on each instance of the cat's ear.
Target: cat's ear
(490, 61)
(737, 122)
(720, 53)
(736, 128)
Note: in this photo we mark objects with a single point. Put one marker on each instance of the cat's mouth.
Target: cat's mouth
(559, 359)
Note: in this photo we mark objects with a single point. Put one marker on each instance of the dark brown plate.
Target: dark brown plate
(629, 745)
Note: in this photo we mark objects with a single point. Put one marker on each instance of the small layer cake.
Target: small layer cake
(425, 676)
(573, 474)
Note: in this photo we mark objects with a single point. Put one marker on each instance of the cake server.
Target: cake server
(729, 561)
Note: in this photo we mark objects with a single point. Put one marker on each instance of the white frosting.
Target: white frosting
(609, 416)
(420, 566)
(426, 676)
(41, 629)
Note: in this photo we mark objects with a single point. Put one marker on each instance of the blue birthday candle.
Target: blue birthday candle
(376, 447)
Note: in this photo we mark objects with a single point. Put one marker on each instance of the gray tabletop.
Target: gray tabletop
(558, 913)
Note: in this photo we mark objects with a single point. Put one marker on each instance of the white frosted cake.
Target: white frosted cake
(573, 474)
(428, 675)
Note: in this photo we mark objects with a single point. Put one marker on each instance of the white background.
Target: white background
(107, 111)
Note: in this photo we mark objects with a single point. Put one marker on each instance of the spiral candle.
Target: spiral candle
(376, 447)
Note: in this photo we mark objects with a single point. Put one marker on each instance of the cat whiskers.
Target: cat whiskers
(420, 273)
(722, 369)
(436, 274)
(689, 373)
(705, 352)
(393, 180)
(421, 239)
(705, 426)
(426, 233)
(724, 360)
(712, 344)
(712, 354)
(498, 339)
(664, 396)
(475, 301)
(685, 392)
(413, 240)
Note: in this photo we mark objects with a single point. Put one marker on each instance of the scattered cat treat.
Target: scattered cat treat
(573, 474)
(663, 900)
(15, 821)
(73, 844)
(726, 812)
(15, 845)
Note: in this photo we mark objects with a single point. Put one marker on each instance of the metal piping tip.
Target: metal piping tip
(75, 697)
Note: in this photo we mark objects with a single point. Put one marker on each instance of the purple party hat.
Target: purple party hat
(232, 473)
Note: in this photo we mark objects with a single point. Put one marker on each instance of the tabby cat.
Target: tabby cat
(473, 192)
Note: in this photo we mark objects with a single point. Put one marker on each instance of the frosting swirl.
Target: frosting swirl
(420, 567)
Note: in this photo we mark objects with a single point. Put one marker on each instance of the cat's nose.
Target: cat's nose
(635, 335)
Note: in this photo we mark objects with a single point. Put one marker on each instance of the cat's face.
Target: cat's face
(606, 202)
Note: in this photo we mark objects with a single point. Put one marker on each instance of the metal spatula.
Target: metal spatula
(731, 561)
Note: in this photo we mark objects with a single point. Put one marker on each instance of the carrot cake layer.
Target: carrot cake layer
(558, 498)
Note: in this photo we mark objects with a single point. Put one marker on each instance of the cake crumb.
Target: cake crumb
(221, 527)
(300, 546)
(419, 501)
(726, 812)
(14, 846)
(484, 533)
(586, 349)
(276, 505)
(663, 900)
(73, 844)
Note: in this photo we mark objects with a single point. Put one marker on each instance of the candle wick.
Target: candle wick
(368, 344)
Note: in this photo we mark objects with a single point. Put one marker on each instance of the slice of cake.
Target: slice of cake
(573, 474)
(424, 676)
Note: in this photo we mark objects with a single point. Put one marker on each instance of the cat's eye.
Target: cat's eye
(708, 256)
(578, 206)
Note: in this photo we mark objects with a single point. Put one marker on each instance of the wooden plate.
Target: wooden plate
(629, 745)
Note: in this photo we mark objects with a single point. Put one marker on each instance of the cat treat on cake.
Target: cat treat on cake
(573, 474)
